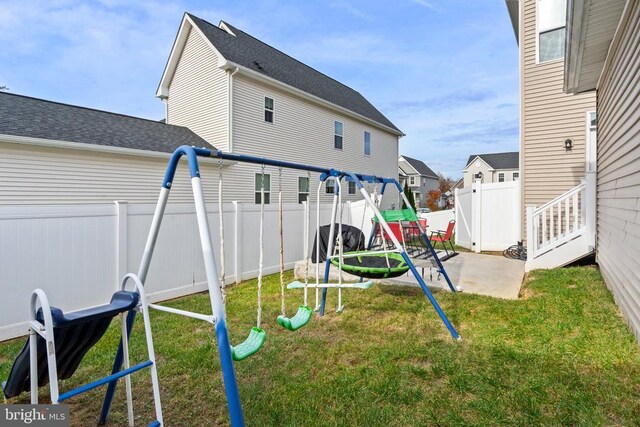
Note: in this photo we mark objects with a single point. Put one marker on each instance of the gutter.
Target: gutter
(95, 148)
(227, 65)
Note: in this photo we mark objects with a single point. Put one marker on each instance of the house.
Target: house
(244, 96)
(602, 57)
(419, 178)
(557, 140)
(459, 184)
(59, 154)
(494, 167)
(557, 130)
(222, 88)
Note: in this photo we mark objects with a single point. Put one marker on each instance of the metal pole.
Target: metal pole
(330, 245)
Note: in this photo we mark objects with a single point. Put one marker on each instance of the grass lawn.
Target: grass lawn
(561, 355)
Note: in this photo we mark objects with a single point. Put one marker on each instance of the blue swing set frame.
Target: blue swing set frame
(218, 318)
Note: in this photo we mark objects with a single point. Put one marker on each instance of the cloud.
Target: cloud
(358, 13)
(449, 100)
(427, 4)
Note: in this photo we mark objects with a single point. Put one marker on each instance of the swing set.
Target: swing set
(71, 335)
(388, 262)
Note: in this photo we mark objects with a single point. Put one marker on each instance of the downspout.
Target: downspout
(165, 101)
(230, 109)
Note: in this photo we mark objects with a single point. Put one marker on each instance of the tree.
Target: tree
(3, 88)
(410, 198)
(432, 199)
(445, 183)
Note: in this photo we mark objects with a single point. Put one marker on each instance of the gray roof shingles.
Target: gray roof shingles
(247, 51)
(509, 160)
(38, 118)
(420, 166)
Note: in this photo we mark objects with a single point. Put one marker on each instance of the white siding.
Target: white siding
(618, 226)
(474, 168)
(549, 118)
(198, 93)
(35, 175)
(302, 132)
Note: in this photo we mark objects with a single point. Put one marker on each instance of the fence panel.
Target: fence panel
(488, 219)
(69, 252)
(464, 218)
(78, 254)
(439, 220)
(500, 215)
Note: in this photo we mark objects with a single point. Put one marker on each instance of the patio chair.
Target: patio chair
(444, 237)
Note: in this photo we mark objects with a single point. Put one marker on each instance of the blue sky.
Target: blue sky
(444, 71)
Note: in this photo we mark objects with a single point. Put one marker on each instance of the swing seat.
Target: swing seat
(373, 265)
(250, 346)
(301, 318)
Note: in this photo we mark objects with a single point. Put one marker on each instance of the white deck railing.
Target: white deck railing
(561, 220)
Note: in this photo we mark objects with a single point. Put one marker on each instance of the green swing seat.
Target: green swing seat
(301, 318)
(373, 265)
(250, 346)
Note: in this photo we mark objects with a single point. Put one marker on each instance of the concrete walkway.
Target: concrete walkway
(491, 275)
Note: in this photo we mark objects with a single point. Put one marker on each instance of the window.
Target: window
(267, 188)
(367, 143)
(412, 180)
(352, 187)
(516, 176)
(552, 20)
(268, 109)
(501, 177)
(337, 135)
(330, 186)
(303, 189)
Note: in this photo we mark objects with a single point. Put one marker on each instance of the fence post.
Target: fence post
(455, 215)
(476, 213)
(590, 209)
(121, 240)
(237, 238)
(517, 212)
(530, 234)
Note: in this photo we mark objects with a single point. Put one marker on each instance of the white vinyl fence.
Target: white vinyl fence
(488, 216)
(438, 220)
(78, 254)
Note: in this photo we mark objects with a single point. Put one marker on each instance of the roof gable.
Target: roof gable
(420, 167)
(239, 48)
(24, 116)
(509, 160)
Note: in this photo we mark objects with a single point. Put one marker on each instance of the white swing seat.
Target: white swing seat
(359, 285)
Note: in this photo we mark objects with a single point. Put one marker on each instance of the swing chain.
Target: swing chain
(223, 290)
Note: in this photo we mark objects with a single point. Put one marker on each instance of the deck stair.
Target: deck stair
(563, 230)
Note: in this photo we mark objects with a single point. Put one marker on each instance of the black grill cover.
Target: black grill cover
(352, 237)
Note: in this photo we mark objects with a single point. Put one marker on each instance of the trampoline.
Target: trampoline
(373, 265)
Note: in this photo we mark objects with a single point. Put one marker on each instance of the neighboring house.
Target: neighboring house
(596, 68)
(53, 153)
(419, 177)
(459, 184)
(494, 167)
(556, 129)
(602, 55)
(244, 96)
(222, 89)
(447, 200)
